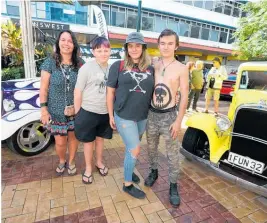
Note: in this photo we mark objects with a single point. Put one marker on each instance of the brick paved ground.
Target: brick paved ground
(31, 192)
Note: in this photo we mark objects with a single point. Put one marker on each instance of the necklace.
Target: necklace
(104, 71)
(165, 67)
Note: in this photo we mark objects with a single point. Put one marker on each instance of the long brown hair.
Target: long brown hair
(75, 53)
(144, 61)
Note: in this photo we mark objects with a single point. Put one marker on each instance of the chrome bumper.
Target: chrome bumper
(261, 190)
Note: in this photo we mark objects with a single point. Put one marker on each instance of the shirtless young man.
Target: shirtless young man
(170, 75)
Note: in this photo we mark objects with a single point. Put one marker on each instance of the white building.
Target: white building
(205, 27)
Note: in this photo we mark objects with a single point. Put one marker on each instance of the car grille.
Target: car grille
(251, 122)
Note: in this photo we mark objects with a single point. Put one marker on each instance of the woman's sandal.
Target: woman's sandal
(61, 166)
(88, 177)
(71, 169)
(103, 173)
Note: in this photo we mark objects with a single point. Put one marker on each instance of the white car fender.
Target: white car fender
(14, 120)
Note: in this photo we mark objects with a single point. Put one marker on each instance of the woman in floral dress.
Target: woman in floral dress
(58, 79)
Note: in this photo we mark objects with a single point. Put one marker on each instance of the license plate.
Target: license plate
(246, 162)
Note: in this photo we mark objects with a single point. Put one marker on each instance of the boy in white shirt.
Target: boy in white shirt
(215, 79)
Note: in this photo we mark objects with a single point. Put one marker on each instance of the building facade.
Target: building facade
(205, 27)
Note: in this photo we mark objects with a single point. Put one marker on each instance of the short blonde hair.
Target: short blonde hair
(190, 65)
(199, 62)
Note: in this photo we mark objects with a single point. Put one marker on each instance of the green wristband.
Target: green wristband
(44, 104)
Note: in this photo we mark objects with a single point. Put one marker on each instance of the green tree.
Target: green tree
(251, 34)
(12, 35)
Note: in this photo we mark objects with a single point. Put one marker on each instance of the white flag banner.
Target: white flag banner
(101, 21)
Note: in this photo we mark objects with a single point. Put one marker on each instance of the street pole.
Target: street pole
(139, 16)
(27, 39)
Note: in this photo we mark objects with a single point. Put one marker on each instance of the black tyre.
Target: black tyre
(31, 139)
(196, 142)
(190, 139)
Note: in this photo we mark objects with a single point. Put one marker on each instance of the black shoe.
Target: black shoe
(133, 191)
(135, 178)
(174, 195)
(152, 177)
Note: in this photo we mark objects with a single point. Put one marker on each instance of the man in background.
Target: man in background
(196, 84)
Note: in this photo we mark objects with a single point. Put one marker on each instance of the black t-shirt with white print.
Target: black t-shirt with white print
(134, 90)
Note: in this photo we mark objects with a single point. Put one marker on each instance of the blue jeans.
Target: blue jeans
(130, 132)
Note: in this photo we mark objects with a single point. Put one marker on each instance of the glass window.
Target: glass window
(56, 5)
(236, 12)
(106, 14)
(219, 7)
(231, 39)
(172, 24)
(227, 10)
(81, 18)
(81, 8)
(161, 24)
(147, 22)
(223, 37)
(198, 3)
(205, 33)
(12, 10)
(33, 10)
(244, 14)
(194, 31)
(13, 3)
(3, 7)
(56, 13)
(69, 18)
(214, 35)
(209, 5)
(254, 80)
(117, 18)
(183, 28)
(188, 2)
(131, 19)
(41, 14)
(40, 5)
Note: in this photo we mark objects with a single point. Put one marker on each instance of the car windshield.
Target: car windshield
(254, 80)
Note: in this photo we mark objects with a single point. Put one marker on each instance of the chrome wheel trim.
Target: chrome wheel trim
(33, 137)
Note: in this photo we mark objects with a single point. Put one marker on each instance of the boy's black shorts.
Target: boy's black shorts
(89, 125)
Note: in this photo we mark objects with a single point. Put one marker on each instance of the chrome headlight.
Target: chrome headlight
(223, 123)
(8, 105)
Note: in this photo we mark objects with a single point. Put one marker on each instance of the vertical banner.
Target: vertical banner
(101, 21)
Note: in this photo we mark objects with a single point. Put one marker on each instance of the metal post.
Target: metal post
(27, 39)
(139, 16)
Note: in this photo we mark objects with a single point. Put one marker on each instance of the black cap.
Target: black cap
(135, 37)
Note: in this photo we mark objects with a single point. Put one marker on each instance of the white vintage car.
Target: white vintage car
(20, 122)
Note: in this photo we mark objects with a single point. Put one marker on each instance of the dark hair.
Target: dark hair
(169, 32)
(75, 53)
(99, 41)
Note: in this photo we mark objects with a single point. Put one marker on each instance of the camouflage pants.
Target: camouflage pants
(159, 124)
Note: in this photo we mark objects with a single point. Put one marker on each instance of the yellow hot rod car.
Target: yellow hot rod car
(235, 146)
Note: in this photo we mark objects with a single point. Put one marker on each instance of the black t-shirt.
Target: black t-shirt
(134, 89)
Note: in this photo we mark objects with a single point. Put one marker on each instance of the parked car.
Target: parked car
(20, 122)
(228, 86)
(235, 146)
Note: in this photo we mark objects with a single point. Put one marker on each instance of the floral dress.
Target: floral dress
(59, 96)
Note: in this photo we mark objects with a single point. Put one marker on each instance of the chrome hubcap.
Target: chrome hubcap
(33, 137)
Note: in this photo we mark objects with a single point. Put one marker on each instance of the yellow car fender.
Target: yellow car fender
(207, 123)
